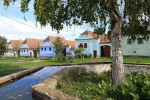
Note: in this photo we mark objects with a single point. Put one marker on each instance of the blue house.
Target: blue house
(96, 45)
(47, 48)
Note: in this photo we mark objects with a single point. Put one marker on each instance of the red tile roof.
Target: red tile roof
(103, 38)
(53, 38)
(16, 44)
(33, 43)
(72, 43)
(65, 42)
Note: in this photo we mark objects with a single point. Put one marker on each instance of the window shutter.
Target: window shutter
(85, 45)
(78, 46)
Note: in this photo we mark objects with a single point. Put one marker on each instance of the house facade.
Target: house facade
(13, 48)
(29, 48)
(97, 46)
(47, 48)
(139, 47)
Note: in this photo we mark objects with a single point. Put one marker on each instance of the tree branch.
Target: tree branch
(113, 10)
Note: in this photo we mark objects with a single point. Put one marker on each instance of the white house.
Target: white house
(139, 47)
(13, 48)
(96, 45)
(29, 47)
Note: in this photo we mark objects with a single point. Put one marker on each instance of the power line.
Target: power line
(24, 23)
(10, 26)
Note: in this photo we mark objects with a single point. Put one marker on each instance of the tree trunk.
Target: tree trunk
(117, 61)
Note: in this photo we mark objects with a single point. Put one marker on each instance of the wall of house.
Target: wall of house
(135, 49)
(85, 37)
(47, 52)
(68, 50)
(10, 53)
(25, 51)
(92, 44)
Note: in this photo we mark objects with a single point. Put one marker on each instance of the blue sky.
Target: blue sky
(12, 29)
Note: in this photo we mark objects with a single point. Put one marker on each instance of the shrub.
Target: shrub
(78, 52)
(86, 56)
(89, 86)
(60, 57)
(90, 55)
(137, 87)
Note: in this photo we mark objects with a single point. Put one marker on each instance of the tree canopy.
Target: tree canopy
(135, 14)
(3, 45)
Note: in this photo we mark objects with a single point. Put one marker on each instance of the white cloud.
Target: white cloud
(12, 29)
(15, 30)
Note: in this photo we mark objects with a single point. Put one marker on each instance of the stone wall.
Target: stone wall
(129, 68)
(46, 90)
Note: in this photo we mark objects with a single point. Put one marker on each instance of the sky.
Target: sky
(14, 27)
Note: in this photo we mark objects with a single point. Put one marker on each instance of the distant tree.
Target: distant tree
(78, 52)
(59, 49)
(3, 45)
(58, 45)
(38, 50)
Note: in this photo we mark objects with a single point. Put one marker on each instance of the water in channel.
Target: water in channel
(22, 89)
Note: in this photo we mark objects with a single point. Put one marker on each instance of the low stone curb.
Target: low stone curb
(12, 77)
(93, 63)
(46, 90)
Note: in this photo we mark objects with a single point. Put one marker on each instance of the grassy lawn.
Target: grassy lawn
(12, 65)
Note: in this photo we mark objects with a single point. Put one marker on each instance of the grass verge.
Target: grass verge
(12, 65)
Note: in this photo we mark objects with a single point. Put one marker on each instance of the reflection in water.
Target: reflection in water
(22, 89)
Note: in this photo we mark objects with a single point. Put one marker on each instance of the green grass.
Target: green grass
(10, 71)
(12, 65)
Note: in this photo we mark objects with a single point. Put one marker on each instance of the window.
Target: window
(140, 41)
(80, 46)
(45, 48)
(24, 50)
(49, 48)
(42, 49)
(85, 45)
(129, 41)
(27, 50)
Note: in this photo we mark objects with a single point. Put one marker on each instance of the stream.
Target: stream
(22, 88)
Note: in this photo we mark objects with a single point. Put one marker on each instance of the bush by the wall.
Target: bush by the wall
(89, 86)
(137, 87)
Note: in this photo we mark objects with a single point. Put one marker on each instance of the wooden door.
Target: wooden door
(35, 54)
(102, 51)
(107, 51)
(95, 53)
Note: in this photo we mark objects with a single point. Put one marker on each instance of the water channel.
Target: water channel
(22, 89)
